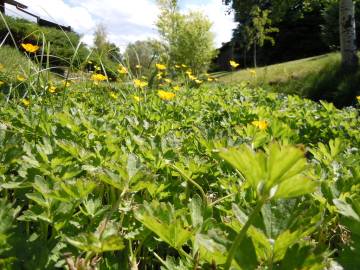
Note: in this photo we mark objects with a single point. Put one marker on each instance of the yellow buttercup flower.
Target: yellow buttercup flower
(52, 89)
(137, 98)
(138, 66)
(113, 95)
(20, 78)
(358, 98)
(176, 88)
(167, 80)
(177, 66)
(233, 64)
(261, 124)
(98, 77)
(210, 79)
(192, 77)
(30, 48)
(166, 95)
(160, 66)
(188, 72)
(66, 84)
(159, 75)
(122, 70)
(198, 81)
(140, 83)
(252, 72)
(25, 102)
(184, 66)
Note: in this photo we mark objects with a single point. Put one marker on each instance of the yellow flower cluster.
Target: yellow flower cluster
(30, 48)
(66, 84)
(137, 98)
(261, 124)
(252, 72)
(52, 89)
(25, 102)
(166, 95)
(122, 70)
(160, 67)
(98, 77)
(113, 95)
(139, 83)
(176, 88)
(20, 78)
(233, 64)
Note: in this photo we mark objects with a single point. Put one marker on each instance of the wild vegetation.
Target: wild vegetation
(158, 165)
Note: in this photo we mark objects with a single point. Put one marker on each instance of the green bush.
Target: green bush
(62, 44)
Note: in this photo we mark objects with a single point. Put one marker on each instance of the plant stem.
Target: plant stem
(187, 178)
(242, 234)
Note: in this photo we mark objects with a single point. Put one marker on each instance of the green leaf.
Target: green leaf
(346, 209)
(196, 211)
(283, 242)
(91, 242)
(161, 219)
(276, 173)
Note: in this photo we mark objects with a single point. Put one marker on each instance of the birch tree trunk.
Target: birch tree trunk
(349, 59)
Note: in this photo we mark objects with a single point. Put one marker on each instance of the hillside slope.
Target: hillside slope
(317, 78)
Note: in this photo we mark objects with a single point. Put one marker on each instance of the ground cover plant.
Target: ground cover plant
(100, 175)
(163, 167)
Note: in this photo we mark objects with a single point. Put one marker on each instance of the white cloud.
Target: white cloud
(223, 24)
(126, 21)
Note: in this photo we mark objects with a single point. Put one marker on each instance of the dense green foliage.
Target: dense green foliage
(170, 172)
(115, 182)
(62, 45)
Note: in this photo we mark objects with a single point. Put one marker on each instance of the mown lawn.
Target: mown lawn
(281, 73)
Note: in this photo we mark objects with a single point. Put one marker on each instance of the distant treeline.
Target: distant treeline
(315, 33)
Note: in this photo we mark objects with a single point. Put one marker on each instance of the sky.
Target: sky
(125, 20)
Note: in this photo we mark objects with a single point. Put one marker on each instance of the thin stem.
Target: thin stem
(222, 199)
(242, 234)
(183, 174)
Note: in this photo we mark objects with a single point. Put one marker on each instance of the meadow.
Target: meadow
(175, 171)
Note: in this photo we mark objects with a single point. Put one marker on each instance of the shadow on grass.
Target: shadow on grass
(330, 84)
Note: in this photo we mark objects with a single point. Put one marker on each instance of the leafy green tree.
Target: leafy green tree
(188, 37)
(100, 38)
(143, 54)
(279, 9)
(259, 30)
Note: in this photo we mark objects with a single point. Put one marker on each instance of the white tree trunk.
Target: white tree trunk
(348, 35)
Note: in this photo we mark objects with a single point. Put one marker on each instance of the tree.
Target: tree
(280, 8)
(347, 35)
(259, 30)
(103, 48)
(144, 53)
(100, 38)
(188, 37)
